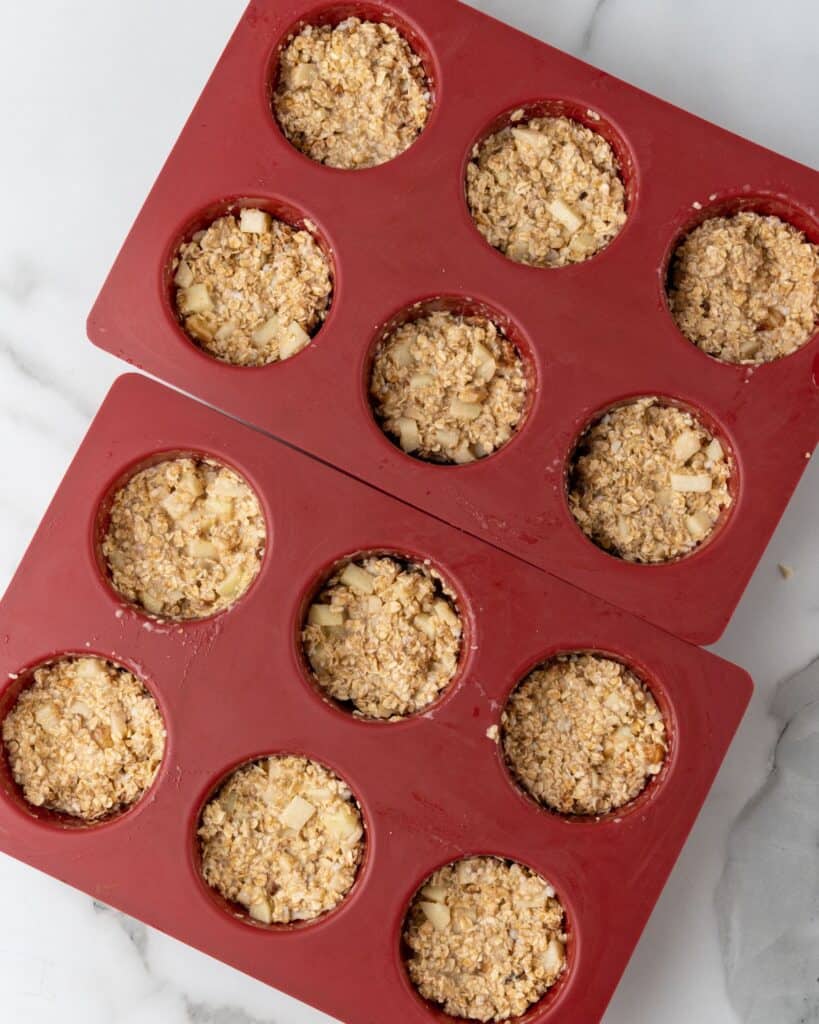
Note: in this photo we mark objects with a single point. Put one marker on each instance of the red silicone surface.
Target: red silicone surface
(432, 788)
(594, 333)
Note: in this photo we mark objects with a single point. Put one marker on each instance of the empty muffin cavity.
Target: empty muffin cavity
(648, 482)
(745, 288)
(85, 738)
(546, 192)
(185, 538)
(448, 388)
(485, 939)
(351, 95)
(251, 289)
(383, 636)
(583, 735)
(283, 837)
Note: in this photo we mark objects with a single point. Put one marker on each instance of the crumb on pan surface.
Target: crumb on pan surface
(583, 735)
(485, 939)
(384, 635)
(546, 192)
(284, 838)
(250, 289)
(185, 538)
(85, 738)
(745, 289)
(448, 388)
(352, 95)
(648, 482)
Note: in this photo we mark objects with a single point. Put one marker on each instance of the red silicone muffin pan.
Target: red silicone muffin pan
(593, 334)
(432, 788)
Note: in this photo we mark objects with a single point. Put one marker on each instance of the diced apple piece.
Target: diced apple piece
(297, 813)
(421, 380)
(486, 370)
(563, 213)
(118, 723)
(448, 438)
(261, 911)
(462, 456)
(425, 624)
(358, 579)
(343, 823)
(226, 331)
(79, 707)
(226, 486)
(437, 914)
(402, 354)
(47, 717)
(445, 612)
(183, 278)
(686, 445)
(269, 330)
(553, 958)
(324, 615)
(151, 602)
(190, 483)
(529, 138)
(254, 222)
(434, 893)
(408, 435)
(231, 584)
(196, 299)
(177, 504)
(302, 76)
(294, 340)
(219, 506)
(464, 410)
(714, 452)
(583, 242)
(199, 548)
(198, 327)
(699, 525)
(89, 668)
(691, 483)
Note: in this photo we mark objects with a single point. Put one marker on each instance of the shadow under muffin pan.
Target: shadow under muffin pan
(432, 788)
(599, 332)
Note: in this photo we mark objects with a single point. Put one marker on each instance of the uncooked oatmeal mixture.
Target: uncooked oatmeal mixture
(284, 838)
(546, 192)
(250, 289)
(745, 289)
(448, 388)
(85, 738)
(583, 735)
(485, 939)
(384, 635)
(186, 538)
(649, 482)
(354, 95)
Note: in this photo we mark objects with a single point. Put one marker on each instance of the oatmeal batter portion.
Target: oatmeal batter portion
(185, 539)
(284, 838)
(648, 482)
(384, 635)
(546, 192)
(745, 289)
(448, 388)
(485, 939)
(583, 735)
(85, 738)
(351, 96)
(251, 290)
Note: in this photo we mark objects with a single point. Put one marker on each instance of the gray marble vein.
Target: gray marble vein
(768, 898)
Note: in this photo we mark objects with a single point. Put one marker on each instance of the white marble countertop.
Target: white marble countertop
(93, 95)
